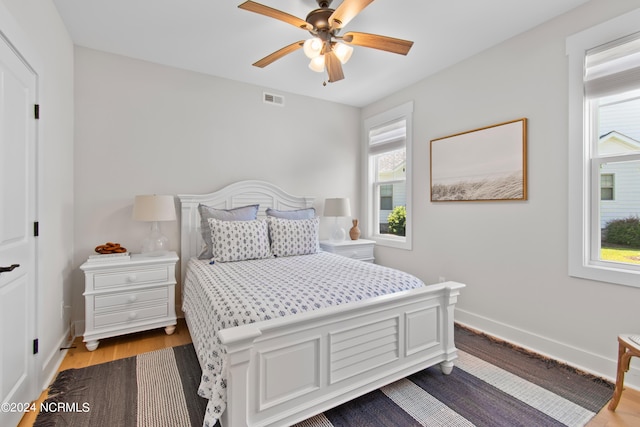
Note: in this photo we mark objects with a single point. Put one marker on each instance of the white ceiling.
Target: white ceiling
(217, 38)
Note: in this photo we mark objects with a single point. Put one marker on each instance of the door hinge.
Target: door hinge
(35, 346)
(36, 229)
(36, 111)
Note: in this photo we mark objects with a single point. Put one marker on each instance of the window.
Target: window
(386, 197)
(606, 186)
(604, 151)
(388, 183)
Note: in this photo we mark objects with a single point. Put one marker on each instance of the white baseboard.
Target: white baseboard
(52, 363)
(578, 358)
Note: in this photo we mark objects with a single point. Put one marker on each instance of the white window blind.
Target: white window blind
(388, 137)
(613, 67)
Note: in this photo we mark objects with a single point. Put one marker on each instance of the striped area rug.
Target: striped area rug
(155, 389)
(493, 384)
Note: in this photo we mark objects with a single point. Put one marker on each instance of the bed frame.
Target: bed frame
(288, 369)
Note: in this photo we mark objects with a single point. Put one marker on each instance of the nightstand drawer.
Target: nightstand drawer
(360, 249)
(361, 252)
(130, 316)
(129, 298)
(130, 277)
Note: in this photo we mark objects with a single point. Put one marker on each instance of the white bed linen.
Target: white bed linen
(224, 295)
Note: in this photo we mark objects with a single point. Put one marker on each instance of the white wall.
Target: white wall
(513, 255)
(144, 128)
(44, 41)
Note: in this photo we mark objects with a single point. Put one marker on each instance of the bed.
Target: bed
(284, 365)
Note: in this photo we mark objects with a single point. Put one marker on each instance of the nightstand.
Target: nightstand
(361, 249)
(128, 295)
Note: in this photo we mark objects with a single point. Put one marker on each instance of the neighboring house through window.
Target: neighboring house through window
(388, 178)
(604, 148)
(386, 197)
(606, 186)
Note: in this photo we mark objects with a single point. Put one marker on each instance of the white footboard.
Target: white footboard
(288, 369)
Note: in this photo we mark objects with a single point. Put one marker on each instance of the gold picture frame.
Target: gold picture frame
(486, 164)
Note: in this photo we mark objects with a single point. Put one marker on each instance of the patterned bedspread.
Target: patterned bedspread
(224, 295)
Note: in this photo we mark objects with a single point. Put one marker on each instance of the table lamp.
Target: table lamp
(154, 208)
(337, 207)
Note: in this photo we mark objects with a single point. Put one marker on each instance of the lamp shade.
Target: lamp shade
(154, 208)
(337, 207)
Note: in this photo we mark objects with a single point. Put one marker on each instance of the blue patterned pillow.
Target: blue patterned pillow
(239, 240)
(307, 213)
(293, 236)
(243, 213)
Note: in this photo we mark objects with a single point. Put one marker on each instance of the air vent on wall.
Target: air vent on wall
(269, 98)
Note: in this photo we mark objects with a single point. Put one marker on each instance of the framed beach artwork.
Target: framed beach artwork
(485, 164)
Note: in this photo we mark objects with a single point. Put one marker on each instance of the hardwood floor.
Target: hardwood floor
(626, 415)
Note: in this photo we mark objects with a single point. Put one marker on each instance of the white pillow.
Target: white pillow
(239, 240)
(293, 236)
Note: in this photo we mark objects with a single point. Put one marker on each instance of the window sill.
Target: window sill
(607, 272)
(392, 241)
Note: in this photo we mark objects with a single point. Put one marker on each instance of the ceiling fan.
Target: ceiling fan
(326, 49)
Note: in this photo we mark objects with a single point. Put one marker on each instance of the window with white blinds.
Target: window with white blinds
(388, 188)
(604, 151)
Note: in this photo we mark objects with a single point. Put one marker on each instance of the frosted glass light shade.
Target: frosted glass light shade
(343, 52)
(312, 47)
(317, 64)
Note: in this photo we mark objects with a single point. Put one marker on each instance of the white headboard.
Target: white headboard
(232, 196)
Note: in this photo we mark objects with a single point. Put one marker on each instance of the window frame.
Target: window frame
(584, 190)
(371, 197)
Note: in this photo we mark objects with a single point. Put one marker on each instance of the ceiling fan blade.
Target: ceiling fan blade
(252, 6)
(347, 10)
(334, 67)
(375, 41)
(278, 54)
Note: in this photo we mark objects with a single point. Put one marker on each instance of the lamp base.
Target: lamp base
(338, 234)
(156, 244)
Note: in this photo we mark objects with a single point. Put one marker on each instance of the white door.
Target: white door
(17, 242)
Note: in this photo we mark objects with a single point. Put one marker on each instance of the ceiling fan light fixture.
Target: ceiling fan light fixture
(343, 52)
(312, 47)
(324, 48)
(317, 64)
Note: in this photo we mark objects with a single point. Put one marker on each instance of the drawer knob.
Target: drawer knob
(133, 298)
(132, 278)
(133, 315)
